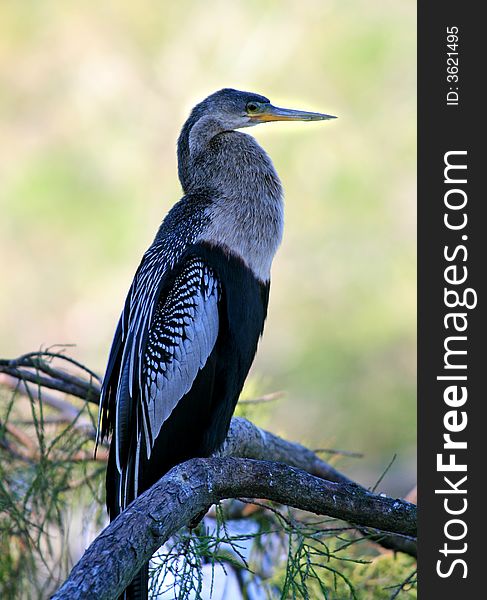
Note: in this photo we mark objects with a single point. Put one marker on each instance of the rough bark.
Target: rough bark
(246, 440)
(129, 541)
(252, 463)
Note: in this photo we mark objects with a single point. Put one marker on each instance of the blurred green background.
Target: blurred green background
(92, 97)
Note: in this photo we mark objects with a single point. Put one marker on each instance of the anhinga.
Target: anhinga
(196, 308)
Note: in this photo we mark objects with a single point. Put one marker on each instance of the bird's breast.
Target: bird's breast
(245, 215)
(249, 229)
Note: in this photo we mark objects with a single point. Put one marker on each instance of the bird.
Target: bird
(196, 308)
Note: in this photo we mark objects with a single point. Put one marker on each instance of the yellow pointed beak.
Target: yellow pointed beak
(275, 113)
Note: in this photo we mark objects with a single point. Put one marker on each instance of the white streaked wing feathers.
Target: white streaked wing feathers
(183, 334)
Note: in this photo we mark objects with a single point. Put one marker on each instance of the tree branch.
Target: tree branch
(30, 366)
(244, 441)
(112, 560)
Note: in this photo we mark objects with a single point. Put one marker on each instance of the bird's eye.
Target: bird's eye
(252, 107)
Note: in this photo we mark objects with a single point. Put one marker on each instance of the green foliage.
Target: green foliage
(43, 474)
(51, 496)
(310, 558)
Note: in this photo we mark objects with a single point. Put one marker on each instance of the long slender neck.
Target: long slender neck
(212, 157)
(246, 211)
(184, 170)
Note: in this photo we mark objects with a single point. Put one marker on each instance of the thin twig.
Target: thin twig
(399, 588)
(339, 452)
(66, 409)
(384, 473)
(265, 398)
(77, 387)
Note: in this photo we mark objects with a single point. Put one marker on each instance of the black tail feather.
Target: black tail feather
(139, 588)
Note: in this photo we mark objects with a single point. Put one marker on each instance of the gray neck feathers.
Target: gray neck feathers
(245, 216)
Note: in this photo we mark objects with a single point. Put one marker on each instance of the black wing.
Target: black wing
(164, 338)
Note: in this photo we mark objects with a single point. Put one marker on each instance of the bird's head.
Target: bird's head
(225, 111)
(235, 109)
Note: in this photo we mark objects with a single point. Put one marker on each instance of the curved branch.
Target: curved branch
(30, 366)
(244, 440)
(112, 560)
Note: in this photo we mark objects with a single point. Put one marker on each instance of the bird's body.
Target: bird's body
(196, 308)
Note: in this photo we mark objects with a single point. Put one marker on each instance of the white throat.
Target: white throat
(251, 230)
